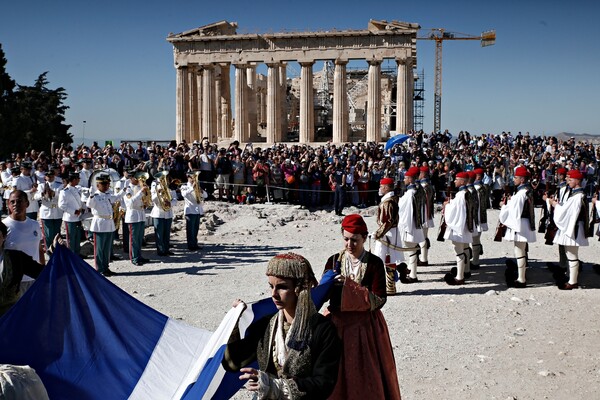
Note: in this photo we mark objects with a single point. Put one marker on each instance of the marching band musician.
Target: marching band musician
(85, 173)
(135, 218)
(193, 196)
(482, 192)
(387, 243)
(123, 184)
(162, 212)
(572, 220)
(518, 215)
(70, 202)
(427, 213)
(28, 184)
(103, 225)
(50, 213)
(8, 182)
(459, 228)
(409, 224)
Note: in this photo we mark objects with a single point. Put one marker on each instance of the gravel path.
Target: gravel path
(478, 341)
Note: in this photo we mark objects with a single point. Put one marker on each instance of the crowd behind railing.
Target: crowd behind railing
(319, 175)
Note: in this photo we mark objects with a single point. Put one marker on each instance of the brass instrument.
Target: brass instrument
(146, 196)
(197, 189)
(118, 213)
(163, 190)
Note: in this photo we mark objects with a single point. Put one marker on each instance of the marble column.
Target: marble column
(374, 102)
(225, 101)
(193, 131)
(340, 103)
(241, 111)
(181, 104)
(251, 130)
(283, 107)
(273, 104)
(404, 96)
(209, 114)
(199, 91)
(217, 106)
(307, 106)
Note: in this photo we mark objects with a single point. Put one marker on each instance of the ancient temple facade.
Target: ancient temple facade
(207, 58)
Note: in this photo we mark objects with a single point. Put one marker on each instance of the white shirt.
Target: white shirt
(134, 210)
(25, 183)
(69, 200)
(191, 205)
(510, 215)
(157, 210)
(49, 208)
(24, 236)
(101, 205)
(565, 218)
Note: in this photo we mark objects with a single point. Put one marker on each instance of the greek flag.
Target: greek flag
(88, 339)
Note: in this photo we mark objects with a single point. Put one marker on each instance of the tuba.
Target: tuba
(146, 197)
(163, 191)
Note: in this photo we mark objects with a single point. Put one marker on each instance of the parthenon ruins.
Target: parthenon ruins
(262, 107)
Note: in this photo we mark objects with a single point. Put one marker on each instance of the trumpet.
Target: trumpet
(163, 190)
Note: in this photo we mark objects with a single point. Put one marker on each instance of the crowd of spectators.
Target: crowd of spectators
(318, 175)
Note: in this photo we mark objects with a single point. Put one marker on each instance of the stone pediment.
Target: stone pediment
(221, 28)
(383, 25)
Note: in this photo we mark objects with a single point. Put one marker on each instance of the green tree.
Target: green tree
(7, 86)
(31, 117)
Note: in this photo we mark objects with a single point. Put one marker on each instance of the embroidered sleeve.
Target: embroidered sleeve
(277, 388)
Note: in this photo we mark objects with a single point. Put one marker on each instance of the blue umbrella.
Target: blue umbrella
(395, 140)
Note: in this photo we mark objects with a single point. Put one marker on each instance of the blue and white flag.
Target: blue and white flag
(88, 339)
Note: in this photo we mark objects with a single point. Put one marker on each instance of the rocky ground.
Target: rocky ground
(478, 341)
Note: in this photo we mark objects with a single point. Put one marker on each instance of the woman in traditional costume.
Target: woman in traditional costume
(367, 367)
(298, 349)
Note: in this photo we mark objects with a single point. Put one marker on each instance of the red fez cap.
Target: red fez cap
(354, 223)
(575, 174)
(522, 171)
(386, 181)
(478, 171)
(471, 174)
(561, 171)
(412, 171)
(424, 168)
(463, 175)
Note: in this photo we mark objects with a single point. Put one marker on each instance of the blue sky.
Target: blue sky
(112, 58)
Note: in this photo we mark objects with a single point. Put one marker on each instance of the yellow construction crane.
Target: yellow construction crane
(487, 38)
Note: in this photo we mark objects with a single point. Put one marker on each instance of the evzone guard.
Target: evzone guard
(428, 196)
(518, 215)
(409, 225)
(388, 245)
(459, 228)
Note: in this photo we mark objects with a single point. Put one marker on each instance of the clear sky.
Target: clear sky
(112, 57)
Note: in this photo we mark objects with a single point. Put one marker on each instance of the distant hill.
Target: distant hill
(578, 137)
